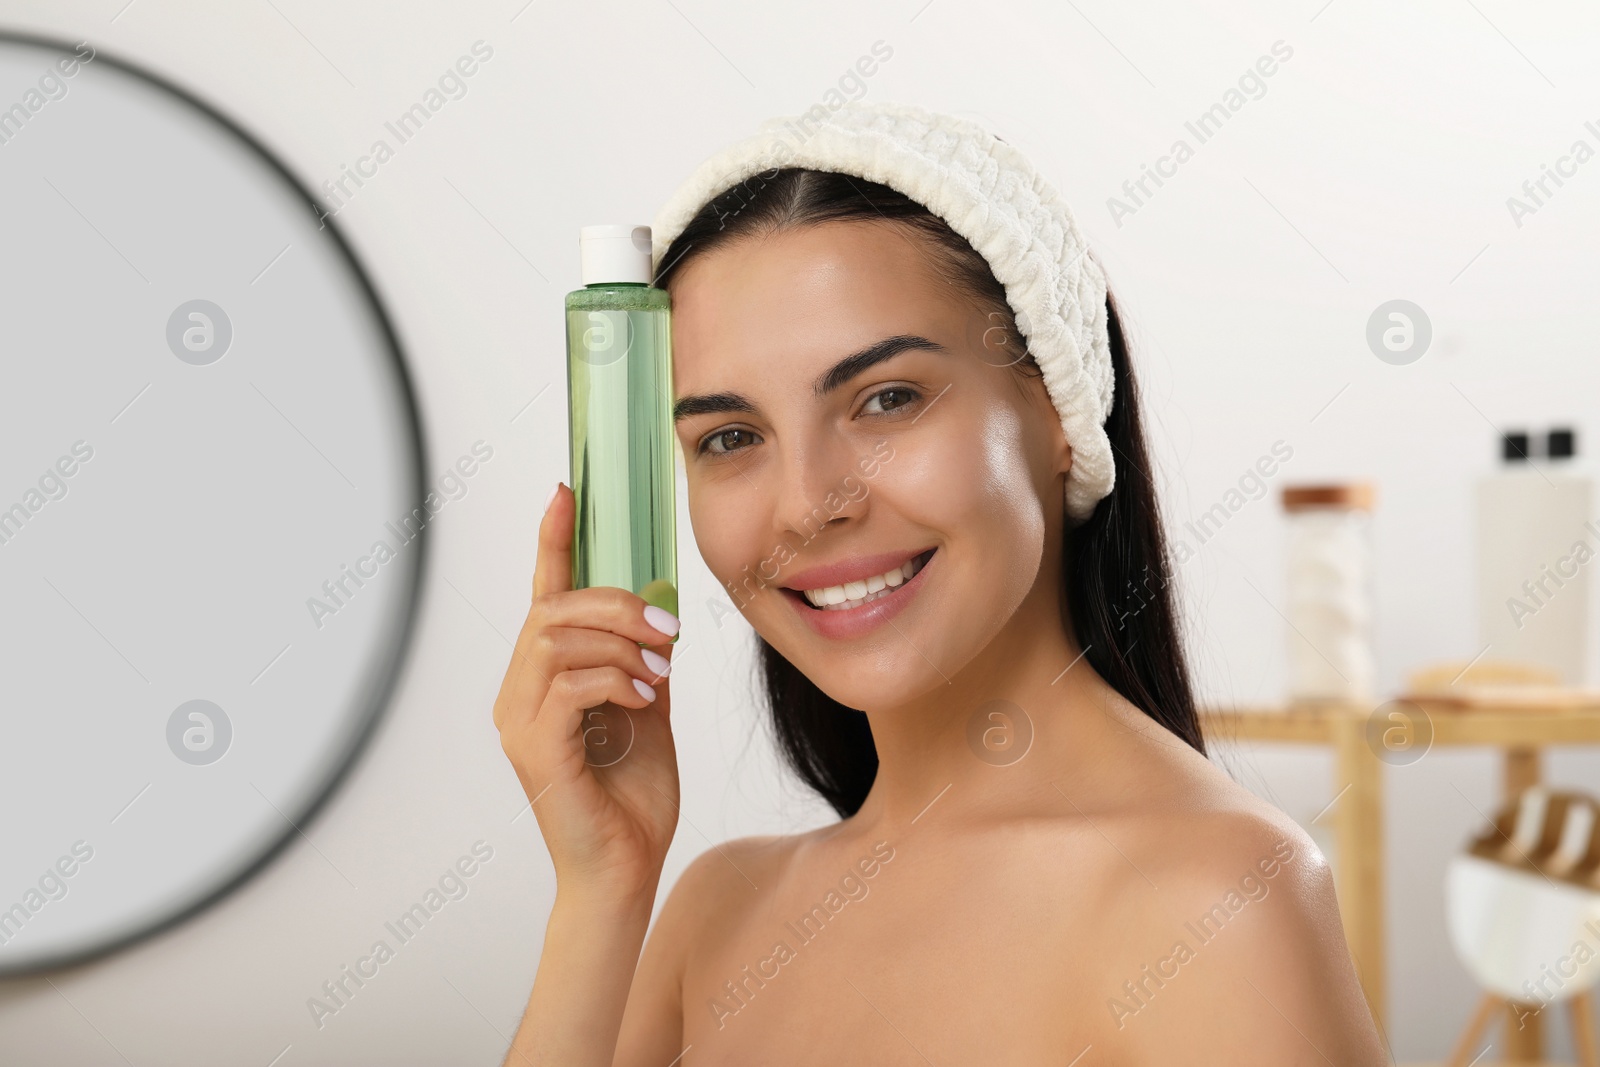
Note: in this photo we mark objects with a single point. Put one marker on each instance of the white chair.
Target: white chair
(1523, 908)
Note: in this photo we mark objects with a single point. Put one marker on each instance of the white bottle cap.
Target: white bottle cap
(615, 254)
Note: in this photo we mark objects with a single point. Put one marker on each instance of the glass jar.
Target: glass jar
(1329, 583)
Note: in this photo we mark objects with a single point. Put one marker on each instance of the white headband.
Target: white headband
(991, 195)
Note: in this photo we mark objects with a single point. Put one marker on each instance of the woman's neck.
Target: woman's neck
(1022, 714)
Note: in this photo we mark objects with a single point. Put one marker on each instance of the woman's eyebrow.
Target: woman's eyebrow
(835, 376)
(710, 404)
(888, 348)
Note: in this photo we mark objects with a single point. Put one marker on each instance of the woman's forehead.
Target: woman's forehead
(792, 301)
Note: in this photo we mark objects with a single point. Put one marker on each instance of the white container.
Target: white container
(1516, 929)
(1537, 545)
(1329, 610)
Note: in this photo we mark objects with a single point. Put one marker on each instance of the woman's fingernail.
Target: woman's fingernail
(658, 664)
(644, 690)
(551, 498)
(661, 619)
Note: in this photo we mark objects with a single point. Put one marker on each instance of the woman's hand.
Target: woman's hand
(584, 717)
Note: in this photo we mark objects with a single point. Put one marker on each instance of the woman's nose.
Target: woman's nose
(819, 487)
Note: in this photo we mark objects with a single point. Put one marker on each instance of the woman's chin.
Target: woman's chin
(866, 690)
(875, 683)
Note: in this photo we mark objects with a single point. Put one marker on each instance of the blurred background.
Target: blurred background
(1393, 154)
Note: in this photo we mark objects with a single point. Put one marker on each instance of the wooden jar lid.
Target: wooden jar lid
(1358, 496)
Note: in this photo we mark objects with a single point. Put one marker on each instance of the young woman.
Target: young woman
(1035, 862)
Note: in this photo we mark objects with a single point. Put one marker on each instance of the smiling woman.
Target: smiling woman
(782, 261)
(833, 319)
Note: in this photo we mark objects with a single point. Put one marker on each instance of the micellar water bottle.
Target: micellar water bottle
(619, 389)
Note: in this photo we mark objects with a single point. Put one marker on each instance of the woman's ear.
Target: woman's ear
(1056, 434)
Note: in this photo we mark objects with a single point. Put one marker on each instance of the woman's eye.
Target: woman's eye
(725, 441)
(889, 399)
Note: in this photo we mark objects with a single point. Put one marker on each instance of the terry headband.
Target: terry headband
(992, 196)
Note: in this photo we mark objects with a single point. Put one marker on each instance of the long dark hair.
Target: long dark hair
(1116, 570)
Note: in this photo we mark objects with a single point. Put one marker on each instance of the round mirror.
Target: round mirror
(212, 508)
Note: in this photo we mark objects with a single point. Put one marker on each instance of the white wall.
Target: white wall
(1376, 165)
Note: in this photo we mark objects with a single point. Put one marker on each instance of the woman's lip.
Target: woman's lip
(844, 624)
(858, 569)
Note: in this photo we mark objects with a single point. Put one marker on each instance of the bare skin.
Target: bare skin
(1102, 895)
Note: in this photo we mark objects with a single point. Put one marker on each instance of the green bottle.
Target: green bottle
(619, 389)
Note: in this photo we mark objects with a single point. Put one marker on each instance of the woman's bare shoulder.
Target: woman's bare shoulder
(1212, 831)
(721, 880)
(1230, 946)
(714, 885)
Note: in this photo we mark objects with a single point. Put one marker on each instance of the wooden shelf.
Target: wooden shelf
(1505, 725)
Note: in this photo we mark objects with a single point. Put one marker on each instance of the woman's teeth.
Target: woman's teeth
(854, 594)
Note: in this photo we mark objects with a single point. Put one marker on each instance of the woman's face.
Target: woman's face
(848, 417)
